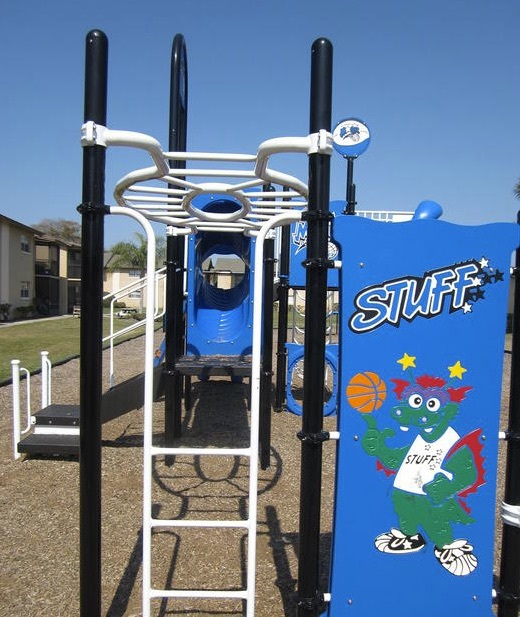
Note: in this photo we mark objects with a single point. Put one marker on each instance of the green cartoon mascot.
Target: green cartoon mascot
(433, 474)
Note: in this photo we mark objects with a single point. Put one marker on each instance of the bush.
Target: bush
(24, 312)
(117, 305)
(4, 311)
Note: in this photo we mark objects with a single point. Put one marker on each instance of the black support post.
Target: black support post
(315, 334)
(283, 314)
(92, 244)
(509, 591)
(351, 188)
(267, 355)
(174, 315)
(172, 379)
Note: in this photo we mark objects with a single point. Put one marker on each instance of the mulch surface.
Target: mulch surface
(39, 526)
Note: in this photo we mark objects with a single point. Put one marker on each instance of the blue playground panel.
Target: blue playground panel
(417, 322)
(219, 321)
(423, 313)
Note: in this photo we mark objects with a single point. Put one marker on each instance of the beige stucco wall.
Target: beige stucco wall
(117, 279)
(15, 265)
(63, 281)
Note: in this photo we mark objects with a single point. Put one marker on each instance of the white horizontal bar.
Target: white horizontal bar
(156, 198)
(231, 173)
(55, 430)
(239, 524)
(197, 593)
(155, 451)
(211, 156)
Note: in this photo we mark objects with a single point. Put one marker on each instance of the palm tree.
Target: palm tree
(517, 189)
(128, 254)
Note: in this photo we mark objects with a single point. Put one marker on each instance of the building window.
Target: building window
(135, 273)
(24, 244)
(73, 264)
(135, 294)
(24, 290)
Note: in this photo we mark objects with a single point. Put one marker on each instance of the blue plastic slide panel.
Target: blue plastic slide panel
(423, 316)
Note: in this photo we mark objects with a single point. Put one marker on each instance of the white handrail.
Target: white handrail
(160, 275)
(17, 431)
(148, 402)
(134, 286)
(46, 386)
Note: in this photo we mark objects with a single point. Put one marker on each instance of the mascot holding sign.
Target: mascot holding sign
(433, 473)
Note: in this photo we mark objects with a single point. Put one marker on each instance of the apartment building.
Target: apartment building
(39, 274)
(57, 275)
(17, 255)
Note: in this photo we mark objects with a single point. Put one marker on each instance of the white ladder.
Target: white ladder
(246, 594)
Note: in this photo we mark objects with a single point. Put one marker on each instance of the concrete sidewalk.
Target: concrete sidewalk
(8, 324)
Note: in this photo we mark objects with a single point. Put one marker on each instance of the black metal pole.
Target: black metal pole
(174, 314)
(509, 591)
(351, 188)
(267, 355)
(171, 418)
(315, 333)
(283, 314)
(92, 244)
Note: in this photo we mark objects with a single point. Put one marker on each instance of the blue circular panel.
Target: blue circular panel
(351, 137)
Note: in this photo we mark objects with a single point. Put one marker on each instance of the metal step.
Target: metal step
(56, 432)
(50, 444)
(58, 415)
(214, 366)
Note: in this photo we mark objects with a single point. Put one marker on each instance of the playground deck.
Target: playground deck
(40, 514)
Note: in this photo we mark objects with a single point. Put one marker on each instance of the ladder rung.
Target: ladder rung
(155, 451)
(197, 593)
(239, 524)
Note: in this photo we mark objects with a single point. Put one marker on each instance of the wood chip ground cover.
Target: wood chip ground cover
(39, 525)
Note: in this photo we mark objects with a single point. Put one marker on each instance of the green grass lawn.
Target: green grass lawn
(60, 337)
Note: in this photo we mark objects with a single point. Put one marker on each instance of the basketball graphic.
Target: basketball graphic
(366, 392)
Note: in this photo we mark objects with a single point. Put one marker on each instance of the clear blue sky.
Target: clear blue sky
(437, 82)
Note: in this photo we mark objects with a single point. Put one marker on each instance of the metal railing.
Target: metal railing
(46, 396)
(124, 292)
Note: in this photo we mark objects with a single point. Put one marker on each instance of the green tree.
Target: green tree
(128, 254)
(517, 189)
(61, 229)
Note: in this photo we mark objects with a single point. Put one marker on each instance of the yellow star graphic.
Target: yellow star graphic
(457, 370)
(407, 361)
